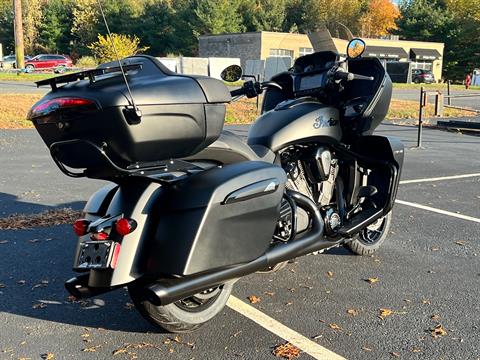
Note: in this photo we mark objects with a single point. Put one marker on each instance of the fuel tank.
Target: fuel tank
(296, 121)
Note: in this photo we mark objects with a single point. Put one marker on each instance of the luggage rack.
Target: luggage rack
(109, 169)
(90, 74)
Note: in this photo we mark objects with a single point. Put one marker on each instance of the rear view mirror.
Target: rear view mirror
(356, 48)
(232, 73)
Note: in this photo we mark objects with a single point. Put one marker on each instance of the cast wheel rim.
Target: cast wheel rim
(372, 233)
(200, 301)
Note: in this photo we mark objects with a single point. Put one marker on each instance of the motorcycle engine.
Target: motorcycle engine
(312, 171)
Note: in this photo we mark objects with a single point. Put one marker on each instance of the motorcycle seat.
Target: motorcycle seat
(229, 148)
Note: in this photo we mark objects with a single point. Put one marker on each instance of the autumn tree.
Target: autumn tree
(121, 46)
(379, 19)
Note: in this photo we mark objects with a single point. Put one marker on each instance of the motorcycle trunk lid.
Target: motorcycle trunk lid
(180, 116)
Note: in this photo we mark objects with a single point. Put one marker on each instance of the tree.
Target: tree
(54, 29)
(218, 16)
(6, 26)
(123, 46)
(85, 18)
(379, 19)
(264, 15)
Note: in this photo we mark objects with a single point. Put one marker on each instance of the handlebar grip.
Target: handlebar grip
(362, 77)
(237, 92)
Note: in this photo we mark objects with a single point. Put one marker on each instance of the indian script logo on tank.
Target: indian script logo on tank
(323, 122)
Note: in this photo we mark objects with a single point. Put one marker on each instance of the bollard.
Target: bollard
(420, 117)
(439, 104)
(449, 82)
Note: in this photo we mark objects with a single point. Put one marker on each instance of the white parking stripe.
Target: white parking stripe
(439, 178)
(277, 328)
(438, 211)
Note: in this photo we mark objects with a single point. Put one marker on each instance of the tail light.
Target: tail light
(125, 226)
(80, 227)
(47, 107)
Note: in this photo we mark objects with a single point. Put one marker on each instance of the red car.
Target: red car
(48, 62)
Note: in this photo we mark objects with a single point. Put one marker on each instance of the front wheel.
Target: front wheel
(185, 315)
(372, 237)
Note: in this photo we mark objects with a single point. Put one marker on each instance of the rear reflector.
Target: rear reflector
(46, 107)
(116, 253)
(80, 227)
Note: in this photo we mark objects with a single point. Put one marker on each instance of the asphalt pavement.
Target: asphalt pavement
(21, 87)
(428, 274)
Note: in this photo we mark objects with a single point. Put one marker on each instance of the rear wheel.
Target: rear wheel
(372, 237)
(185, 315)
(30, 68)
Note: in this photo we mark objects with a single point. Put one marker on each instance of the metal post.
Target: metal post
(420, 117)
(449, 82)
(18, 29)
(258, 97)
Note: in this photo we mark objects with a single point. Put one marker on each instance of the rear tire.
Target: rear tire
(369, 240)
(30, 68)
(185, 315)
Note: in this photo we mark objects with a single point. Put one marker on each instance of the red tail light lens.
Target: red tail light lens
(46, 107)
(80, 227)
(100, 236)
(125, 226)
(116, 253)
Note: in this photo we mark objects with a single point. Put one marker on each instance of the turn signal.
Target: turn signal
(80, 227)
(100, 236)
(125, 226)
(47, 107)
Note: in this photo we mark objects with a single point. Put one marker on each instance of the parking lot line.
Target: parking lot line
(306, 345)
(438, 211)
(439, 178)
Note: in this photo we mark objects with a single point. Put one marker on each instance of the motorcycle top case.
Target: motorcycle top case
(216, 218)
(180, 115)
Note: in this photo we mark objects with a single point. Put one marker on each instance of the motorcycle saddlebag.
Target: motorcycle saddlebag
(180, 116)
(217, 218)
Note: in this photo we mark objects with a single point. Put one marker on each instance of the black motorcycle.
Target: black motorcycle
(191, 208)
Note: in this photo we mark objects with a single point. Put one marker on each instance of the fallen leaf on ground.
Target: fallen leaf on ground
(48, 356)
(39, 306)
(352, 312)
(438, 331)
(366, 348)
(286, 351)
(372, 280)
(119, 351)
(129, 306)
(329, 273)
(435, 317)
(395, 354)
(254, 299)
(43, 219)
(334, 326)
(461, 242)
(426, 302)
(416, 350)
(384, 313)
(92, 349)
(269, 293)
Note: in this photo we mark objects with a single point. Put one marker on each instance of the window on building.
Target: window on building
(305, 51)
(422, 65)
(281, 52)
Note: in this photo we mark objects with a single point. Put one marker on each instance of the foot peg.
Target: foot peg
(367, 191)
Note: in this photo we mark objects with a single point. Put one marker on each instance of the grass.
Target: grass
(14, 108)
(11, 76)
(442, 87)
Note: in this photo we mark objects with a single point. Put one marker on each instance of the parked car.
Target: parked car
(422, 76)
(41, 62)
(10, 61)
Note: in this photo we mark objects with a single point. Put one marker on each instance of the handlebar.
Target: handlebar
(238, 92)
(252, 89)
(347, 76)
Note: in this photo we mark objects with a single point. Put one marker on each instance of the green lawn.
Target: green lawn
(4, 76)
(432, 86)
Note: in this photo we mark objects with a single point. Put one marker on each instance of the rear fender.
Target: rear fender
(134, 200)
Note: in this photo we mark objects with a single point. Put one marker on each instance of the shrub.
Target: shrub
(124, 44)
(86, 62)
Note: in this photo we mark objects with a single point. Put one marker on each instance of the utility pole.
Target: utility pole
(18, 29)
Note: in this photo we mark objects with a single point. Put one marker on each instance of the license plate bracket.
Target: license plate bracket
(95, 255)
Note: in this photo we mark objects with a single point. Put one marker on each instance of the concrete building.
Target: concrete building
(264, 44)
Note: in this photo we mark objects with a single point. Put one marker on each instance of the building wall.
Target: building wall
(244, 46)
(275, 40)
(437, 68)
